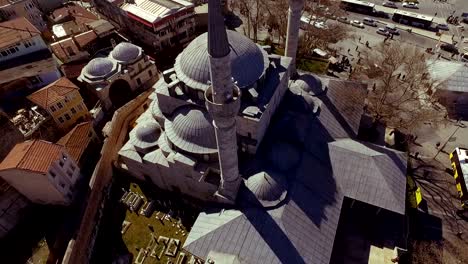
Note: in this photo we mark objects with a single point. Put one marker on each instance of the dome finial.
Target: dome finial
(218, 45)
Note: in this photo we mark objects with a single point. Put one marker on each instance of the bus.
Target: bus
(412, 19)
(358, 6)
(459, 161)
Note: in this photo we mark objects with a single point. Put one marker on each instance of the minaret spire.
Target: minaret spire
(292, 35)
(223, 103)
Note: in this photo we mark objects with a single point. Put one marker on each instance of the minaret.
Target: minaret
(292, 38)
(223, 102)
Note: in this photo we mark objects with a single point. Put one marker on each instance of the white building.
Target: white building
(25, 60)
(42, 171)
(157, 23)
(117, 77)
(10, 9)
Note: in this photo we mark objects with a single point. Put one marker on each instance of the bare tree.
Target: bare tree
(401, 94)
(253, 11)
(315, 37)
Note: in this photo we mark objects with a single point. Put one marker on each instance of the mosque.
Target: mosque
(232, 124)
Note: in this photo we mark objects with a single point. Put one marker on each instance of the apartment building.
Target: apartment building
(42, 171)
(156, 23)
(62, 100)
(10, 9)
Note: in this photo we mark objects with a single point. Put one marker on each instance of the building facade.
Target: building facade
(42, 171)
(10, 9)
(116, 78)
(156, 23)
(62, 100)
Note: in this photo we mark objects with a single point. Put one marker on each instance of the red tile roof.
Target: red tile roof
(85, 38)
(32, 155)
(80, 14)
(73, 69)
(52, 93)
(15, 30)
(77, 140)
(60, 48)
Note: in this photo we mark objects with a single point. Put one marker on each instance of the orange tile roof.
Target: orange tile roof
(15, 30)
(85, 38)
(32, 155)
(80, 14)
(77, 140)
(59, 48)
(52, 93)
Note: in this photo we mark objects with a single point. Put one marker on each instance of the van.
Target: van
(392, 29)
(369, 21)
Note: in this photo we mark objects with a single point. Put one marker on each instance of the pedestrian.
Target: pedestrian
(359, 39)
(359, 61)
(435, 14)
(367, 43)
(357, 47)
(399, 75)
(391, 36)
(349, 50)
(403, 77)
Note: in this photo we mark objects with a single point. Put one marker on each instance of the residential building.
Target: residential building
(10, 9)
(79, 141)
(451, 86)
(12, 206)
(117, 78)
(25, 61)
(42, 171)
(74, 48)
(49, 5)
(62, 100)
(69, 20)
(156, 23)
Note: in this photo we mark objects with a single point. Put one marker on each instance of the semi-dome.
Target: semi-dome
(248, 61)
(99, 67)
(148, 132)
(125, 52)
(267, 187)
(309, 84)
(190, 129)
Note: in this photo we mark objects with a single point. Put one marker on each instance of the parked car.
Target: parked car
(442, 26)
(357, 23)
(383, 31)
(410, 5)
(343, 20)
(369, 21)
(450, 48)
(392, 29)
(390, 4)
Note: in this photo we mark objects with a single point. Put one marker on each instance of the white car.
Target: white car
(390, 4)
(357, 23)
(383, 31)
(410, 5)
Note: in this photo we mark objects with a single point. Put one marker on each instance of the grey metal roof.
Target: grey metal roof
(218, 45)
(370, 173)
(452, 76)
(248, 61)
(125, 52)
(98, 67)
(190, 129)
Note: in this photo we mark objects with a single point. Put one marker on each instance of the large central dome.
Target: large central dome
(248, 61)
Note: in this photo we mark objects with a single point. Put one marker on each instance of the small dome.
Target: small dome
(309, 84)
(248, 61)
(267, 187)
(125, 52)
(99, 67)
(148, 133)
(190, 129)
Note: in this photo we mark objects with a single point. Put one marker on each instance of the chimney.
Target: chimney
(223, 103)
(292, 37)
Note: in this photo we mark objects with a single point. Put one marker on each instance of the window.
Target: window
(60, 105)
(52, 174)
(4, 53)
(69, 173)
(73, 110)
(67, 116)
(61, 163)
(60, 119)
(72, 167)
(26, 44)
(138, 81)
(80, 107)
(62, 184)
(53, 109)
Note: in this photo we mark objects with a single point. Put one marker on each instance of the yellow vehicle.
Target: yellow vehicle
(459, 160)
